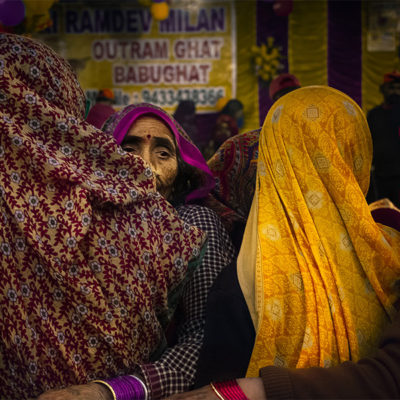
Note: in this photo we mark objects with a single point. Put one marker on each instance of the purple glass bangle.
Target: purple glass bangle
(126, 387)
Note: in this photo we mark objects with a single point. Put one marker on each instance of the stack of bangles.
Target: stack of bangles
(126, 387)
(228, 390)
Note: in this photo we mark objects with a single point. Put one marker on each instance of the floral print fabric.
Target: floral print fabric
(89, 250)
(234, 166)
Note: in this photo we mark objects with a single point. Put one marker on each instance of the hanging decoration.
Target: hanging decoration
(12, 12)
(25, 16)
(159, 9)
(283, 8)
(267, 60)
(37, 15)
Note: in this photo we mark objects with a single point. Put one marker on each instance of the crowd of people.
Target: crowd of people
(134, 269)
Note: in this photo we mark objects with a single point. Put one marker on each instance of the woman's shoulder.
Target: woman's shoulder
(196, 210)
(200, 216)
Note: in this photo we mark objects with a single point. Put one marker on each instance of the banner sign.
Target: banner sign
(190, 55)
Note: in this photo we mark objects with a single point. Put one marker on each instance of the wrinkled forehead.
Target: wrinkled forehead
(41, 70)
(152, 121)
(152, 125)
(120, 123)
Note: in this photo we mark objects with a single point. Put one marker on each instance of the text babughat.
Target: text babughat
(154, 74)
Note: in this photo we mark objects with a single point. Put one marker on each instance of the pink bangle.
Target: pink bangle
(228, 390)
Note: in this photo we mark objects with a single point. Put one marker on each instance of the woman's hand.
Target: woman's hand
(253, 388)
(91, 391)
(204, 393)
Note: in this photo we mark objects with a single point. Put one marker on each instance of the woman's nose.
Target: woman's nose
(147, 156)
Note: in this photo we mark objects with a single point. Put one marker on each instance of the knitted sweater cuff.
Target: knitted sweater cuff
(277, 383)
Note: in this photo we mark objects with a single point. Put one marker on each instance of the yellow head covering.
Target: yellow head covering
(317, 272)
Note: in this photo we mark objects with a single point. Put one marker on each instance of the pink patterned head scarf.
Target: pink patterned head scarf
(90, 252)
(119, 124)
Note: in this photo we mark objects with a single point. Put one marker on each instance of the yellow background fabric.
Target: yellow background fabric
(307, 42)
(324, 271)
(247, 82)
(308, 48)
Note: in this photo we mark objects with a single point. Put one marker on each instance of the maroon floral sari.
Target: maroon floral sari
(234, 167)
(89, 250)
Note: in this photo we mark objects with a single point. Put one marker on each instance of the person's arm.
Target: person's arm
(174, 372)
(373, 377)
(90, 391)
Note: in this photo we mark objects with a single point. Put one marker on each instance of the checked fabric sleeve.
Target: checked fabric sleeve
(174, 372)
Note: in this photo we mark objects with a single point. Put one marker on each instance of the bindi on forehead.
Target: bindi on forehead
(148, 137)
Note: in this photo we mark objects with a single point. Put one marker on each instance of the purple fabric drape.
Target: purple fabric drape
(269, 24)
(345, 47)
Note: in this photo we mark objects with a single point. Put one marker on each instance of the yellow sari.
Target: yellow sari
(318, 274)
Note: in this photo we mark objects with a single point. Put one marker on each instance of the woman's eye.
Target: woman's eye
(164, 153)
(129, 149)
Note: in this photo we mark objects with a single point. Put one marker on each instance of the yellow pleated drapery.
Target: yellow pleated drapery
(308, 42)
(317, 272)
(247, 81)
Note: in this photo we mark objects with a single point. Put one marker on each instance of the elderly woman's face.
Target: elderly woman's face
(149, 138)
